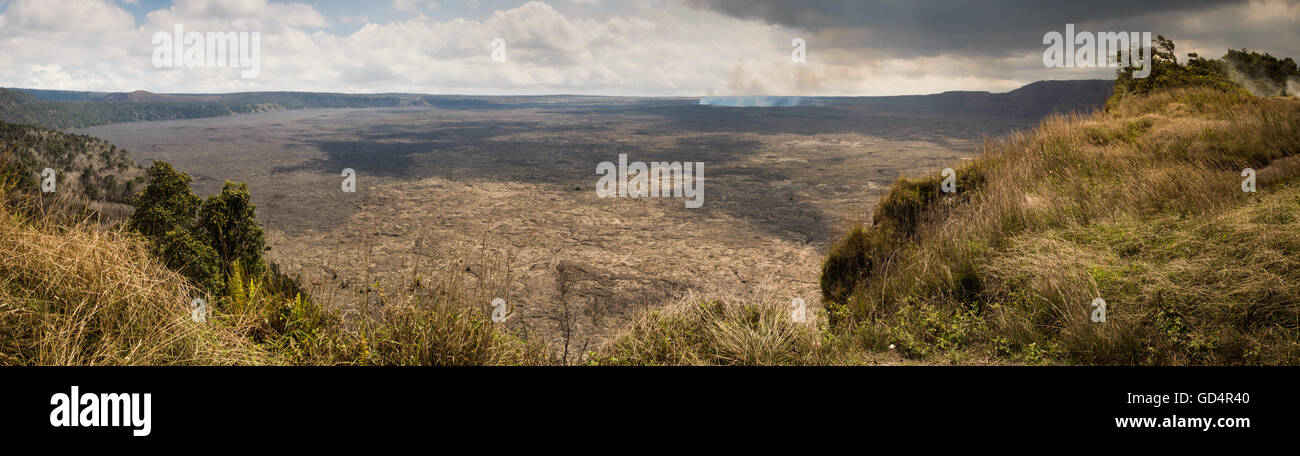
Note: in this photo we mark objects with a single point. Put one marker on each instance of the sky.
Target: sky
(607, 47)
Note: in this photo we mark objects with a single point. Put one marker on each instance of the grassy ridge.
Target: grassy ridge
(1141, 206)
(82, 295)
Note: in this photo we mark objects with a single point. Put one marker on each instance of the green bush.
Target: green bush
(190, 255)
(200, 239)
(166, 204)
(1167, 73)
(164, 214)
(230, 221)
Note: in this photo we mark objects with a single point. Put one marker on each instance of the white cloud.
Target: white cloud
(358, 19)
(406, 6)
(84, 16)
(250, 15)
(648, 47)
(413, 6)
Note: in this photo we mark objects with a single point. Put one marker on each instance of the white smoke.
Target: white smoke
(757, 102)
(1262, 87)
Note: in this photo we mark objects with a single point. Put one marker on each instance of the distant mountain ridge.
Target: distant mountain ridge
(69, 109)
(1037, 99)
(145, 96)
(1033, 100)
(64, 109)
(24, 108)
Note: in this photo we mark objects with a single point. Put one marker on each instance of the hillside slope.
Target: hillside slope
(22, 108)
(85, 167)
(1140, 208)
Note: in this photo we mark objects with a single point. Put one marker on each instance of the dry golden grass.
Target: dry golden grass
(1084, 207)
(416, 326)
(73, 294)
(703, 330)
(77, 294)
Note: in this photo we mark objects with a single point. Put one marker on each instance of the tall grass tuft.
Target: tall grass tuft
(75, 294)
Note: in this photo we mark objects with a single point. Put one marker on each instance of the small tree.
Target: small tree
(230, 220)
(165, 204)
(164, 214)
(1166, 72)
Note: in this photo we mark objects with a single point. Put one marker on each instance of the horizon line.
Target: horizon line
(538, 94)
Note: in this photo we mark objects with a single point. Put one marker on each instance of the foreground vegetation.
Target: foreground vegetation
(74, 293)
(1141, 206)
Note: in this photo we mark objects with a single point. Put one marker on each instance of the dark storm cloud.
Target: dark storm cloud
(992, 28)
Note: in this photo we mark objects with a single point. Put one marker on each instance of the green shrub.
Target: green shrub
(229, 218)
(166, 204)
(1167, 73)
(200, 239)
(191, 256)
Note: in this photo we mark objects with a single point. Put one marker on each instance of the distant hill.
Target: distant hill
(64, 109)
(68, 109)
(63, 95)
(144, 96)
(24, 108)
(1034, 100)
